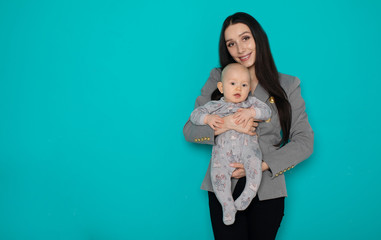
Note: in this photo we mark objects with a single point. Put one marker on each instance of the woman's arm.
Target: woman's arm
(203, 134)
(301, 141)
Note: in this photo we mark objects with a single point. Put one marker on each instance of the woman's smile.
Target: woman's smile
(245, 57)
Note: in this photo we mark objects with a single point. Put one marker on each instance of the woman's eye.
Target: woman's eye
(245, 38)
(230, 44)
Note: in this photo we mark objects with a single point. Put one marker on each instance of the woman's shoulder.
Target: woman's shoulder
(211, 84)
(215, 73)
(288, 82)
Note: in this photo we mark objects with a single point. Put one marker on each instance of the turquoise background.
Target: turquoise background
(94, 95)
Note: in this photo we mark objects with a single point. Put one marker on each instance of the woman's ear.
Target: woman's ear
(219, 86)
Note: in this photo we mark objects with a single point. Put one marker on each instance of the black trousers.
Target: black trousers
(260, 221)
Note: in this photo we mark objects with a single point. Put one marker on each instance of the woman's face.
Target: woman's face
(240, 44)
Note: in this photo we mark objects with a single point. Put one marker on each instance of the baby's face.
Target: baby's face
(236, 85)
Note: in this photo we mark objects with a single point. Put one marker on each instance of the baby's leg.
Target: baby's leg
(221, 182)
(253, 168)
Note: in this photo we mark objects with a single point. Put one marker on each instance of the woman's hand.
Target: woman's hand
(243, 115)
(265, 167)
(214, 121)
(229, 124)
(239, 171)
(248, 129)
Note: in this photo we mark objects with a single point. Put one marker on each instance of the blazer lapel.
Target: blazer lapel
(261, 93)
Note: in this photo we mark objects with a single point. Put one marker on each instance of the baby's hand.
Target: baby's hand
(243, 115)
(214, 121)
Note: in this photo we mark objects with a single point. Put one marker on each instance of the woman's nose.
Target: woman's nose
(240, 48)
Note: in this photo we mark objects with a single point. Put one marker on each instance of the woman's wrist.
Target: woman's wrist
(265, 167)
(220, 130)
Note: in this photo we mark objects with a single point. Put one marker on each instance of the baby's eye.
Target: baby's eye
(232, 83)
(244, 85)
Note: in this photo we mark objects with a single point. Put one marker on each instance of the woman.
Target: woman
(285, 139)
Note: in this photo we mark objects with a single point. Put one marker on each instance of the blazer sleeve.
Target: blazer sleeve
(300, 146)
(203, 134)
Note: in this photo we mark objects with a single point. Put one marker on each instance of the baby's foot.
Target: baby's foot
(229, 217)
(243, 201)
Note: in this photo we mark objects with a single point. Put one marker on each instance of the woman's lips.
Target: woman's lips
(245, 58)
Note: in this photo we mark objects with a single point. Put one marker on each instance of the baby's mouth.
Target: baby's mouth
(237, 95)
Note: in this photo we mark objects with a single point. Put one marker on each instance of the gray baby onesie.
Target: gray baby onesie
(234, 147)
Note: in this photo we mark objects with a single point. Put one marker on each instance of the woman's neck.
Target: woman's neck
(254, 80)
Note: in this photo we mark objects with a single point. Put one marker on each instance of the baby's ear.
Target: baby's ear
(219, 86)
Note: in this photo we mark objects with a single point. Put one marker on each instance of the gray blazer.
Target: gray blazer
(279, 160)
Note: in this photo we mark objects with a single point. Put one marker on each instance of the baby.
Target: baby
(232, 146)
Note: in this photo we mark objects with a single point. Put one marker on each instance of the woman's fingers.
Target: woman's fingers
(239, 173)
(236, 165)
(220, 120)
(236, 115)
(245, 123)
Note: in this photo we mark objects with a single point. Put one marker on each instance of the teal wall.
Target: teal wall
(88, 152)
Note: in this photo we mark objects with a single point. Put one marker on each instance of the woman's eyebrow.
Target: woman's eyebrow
(238, 35)
(244, 33)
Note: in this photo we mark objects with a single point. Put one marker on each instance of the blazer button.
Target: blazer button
(272, 99)
(276, 175)
(268, 120)
(288, 168)
(195, 139)
(208, 139)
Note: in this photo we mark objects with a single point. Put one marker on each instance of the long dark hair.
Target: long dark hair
(265, 69)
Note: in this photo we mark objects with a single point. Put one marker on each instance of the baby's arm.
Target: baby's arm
(262, 111)
(202, 115)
